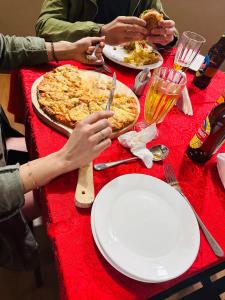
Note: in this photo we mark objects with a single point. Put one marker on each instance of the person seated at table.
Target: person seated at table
(116, 20)
(90, 137)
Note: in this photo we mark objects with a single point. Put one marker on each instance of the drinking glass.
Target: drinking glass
(165, 88)
(188, 48)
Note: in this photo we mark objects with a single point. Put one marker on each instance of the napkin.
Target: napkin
(221, 167)
(184, 103)
(137, 141)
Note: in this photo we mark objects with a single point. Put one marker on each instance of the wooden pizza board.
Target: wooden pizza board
(84, 195)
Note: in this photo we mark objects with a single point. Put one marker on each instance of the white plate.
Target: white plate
(144, 228)
(118, 57)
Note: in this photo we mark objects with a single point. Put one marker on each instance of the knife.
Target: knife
(171, 180)
(112, 91)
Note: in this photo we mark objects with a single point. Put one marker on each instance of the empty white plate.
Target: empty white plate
(144, 228)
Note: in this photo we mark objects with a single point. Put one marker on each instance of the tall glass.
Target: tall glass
(165, 88)
(188, 48)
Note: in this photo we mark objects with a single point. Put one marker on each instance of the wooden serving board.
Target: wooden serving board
(84, 195)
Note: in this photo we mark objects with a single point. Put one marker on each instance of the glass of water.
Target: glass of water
(188, 48)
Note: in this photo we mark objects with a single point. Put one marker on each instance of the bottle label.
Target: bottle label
(201, 135)
(204, 66)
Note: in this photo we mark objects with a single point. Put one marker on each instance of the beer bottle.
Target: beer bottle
(209, 137)
(211, 64)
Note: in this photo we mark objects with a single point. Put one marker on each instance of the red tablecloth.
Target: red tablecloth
(83, 272)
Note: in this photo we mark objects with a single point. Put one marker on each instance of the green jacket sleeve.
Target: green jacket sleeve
(12, 196)
(56, 23)
(17, 51)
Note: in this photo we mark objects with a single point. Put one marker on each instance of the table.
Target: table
(83, 272)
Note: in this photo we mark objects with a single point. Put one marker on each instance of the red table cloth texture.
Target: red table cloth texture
(83, 272)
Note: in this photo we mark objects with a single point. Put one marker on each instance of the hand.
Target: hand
(123, 30)
(90, 137)
(163, 34)
(79, 50)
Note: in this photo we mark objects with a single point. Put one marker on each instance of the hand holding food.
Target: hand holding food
(123, 30)
(163, 34)
(152, 17)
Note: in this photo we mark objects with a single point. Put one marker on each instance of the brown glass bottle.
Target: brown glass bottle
(209, 137)
(211, 64)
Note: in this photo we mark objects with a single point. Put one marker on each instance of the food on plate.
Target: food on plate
(152, 17)
(68, 95)
(140, 53)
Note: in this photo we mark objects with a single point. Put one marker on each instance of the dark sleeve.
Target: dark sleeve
(12, 196)
(17, 51)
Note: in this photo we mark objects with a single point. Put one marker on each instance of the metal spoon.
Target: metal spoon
(159, 153)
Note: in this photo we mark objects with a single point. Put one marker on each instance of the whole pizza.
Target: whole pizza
(68, 95)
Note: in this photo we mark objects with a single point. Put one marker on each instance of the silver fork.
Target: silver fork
(104, 69)
(171, 180)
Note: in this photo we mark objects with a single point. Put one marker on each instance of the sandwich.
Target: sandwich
(152, 17)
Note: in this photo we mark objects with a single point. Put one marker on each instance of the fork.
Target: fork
(104, 68)
(171, 180)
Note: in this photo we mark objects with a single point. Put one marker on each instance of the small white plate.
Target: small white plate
(118, 53)
(144, 228)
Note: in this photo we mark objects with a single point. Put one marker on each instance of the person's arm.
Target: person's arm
(53, 23)
(90, 137)
(18, 51)
(11, 189)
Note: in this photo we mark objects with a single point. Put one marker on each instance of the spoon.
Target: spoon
(159, 153)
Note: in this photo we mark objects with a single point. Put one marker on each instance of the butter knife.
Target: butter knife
(171, 180)
(112, 91)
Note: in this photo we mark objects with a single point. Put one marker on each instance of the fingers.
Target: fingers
(136, 29)
(162, 40)
(163, 31)
(166, 23)
(97, 116)
(96, 40)
(132, 20)
(100, 125)
(101, 135)
(103, 145)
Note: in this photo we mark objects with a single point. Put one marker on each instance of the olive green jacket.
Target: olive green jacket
(14, 52)
(71, 20)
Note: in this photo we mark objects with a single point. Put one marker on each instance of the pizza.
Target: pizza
(68, 95)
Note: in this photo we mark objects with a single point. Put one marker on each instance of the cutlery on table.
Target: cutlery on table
(159, 153)
(112, 91)
(104, 68)
(171, 180)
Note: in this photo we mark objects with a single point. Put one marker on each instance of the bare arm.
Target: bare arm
(85, 143)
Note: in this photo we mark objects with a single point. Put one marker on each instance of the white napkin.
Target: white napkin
(137, 141)
(221, 167)
(184, 103)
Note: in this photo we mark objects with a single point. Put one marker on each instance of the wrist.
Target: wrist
(65, 162)
(60, 50)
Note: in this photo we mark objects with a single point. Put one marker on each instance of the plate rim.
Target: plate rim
(121, 268)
